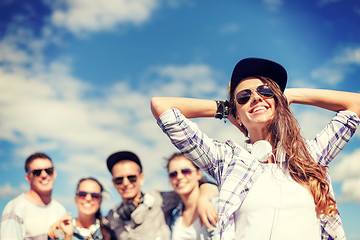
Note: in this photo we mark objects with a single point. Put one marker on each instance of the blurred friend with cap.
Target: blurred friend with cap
(276, 186)
(139, 215)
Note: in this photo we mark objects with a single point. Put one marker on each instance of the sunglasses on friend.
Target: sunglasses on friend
(120, 180)
(243, 96)
(37, 172)
(184, 171)
(83, 194)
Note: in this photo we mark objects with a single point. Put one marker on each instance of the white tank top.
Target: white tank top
(277, 208)
(193, 232)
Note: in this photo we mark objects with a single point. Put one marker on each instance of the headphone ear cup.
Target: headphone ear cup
(125, 210)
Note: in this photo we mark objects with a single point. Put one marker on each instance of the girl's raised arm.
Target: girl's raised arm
(190, 107)
(327, 99)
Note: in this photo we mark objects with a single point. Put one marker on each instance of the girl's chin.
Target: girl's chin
(88, 212)
(182, 191)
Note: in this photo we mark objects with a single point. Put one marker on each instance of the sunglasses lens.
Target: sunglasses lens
(132, 178)
(118, 181)
(173, 174)
(82, 194)
(186, 171)
(49, 171)
(243, 96)
(95, 196)
(265, 91)
(36, 172)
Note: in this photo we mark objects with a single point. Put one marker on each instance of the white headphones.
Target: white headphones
(87, 232)
(262, 150)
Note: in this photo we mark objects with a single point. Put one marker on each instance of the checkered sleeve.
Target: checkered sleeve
(193, 143)
(326, 145)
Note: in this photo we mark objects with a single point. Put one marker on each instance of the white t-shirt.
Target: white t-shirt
(277, 208)
(193, 232)
(23, 219)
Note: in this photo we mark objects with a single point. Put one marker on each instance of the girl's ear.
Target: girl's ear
(237, 117)
(199, 174)
(238, 120)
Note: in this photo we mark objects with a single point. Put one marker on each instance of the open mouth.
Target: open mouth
(258, 109)
(181, 184)
(87, 205)
(45, 182)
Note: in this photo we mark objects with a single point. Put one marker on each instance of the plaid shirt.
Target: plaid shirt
(236, 170)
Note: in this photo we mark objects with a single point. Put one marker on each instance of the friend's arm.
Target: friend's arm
(327, 99)
(207, 211)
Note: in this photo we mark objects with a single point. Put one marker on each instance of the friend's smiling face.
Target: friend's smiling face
(184, 184)
(257, 112)
(127, 189)
(42, 184)
(88, 205)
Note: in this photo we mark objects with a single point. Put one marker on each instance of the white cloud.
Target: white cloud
(8, 191)
(81, 16)
(348, 168)
(350, 190)
(9, 51)
(330, 74)
(349, 56)
(335, 70)
(309, 127)
(196, 80)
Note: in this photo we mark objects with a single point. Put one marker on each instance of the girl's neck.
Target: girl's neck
(190, 213)
(85, 221)
(258, 135)
(190, 200)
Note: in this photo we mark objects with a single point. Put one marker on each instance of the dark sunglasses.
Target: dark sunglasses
(37, 172)
(243, 96)
(120, 180)
(94, 196)
(184, 171)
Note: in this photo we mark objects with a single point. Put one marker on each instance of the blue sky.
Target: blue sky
(76, 79)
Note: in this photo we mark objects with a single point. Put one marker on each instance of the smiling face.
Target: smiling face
(128, 189)
(257, 112)
(184, 182)
(42, 184)
(88, 205)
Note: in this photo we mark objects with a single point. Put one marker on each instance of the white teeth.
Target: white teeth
(87, 205)
(45, 182)
(260, 108)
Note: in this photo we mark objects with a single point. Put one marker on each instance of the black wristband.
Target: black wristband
(222, 109)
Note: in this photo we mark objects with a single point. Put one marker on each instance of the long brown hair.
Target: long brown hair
(283, 132)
